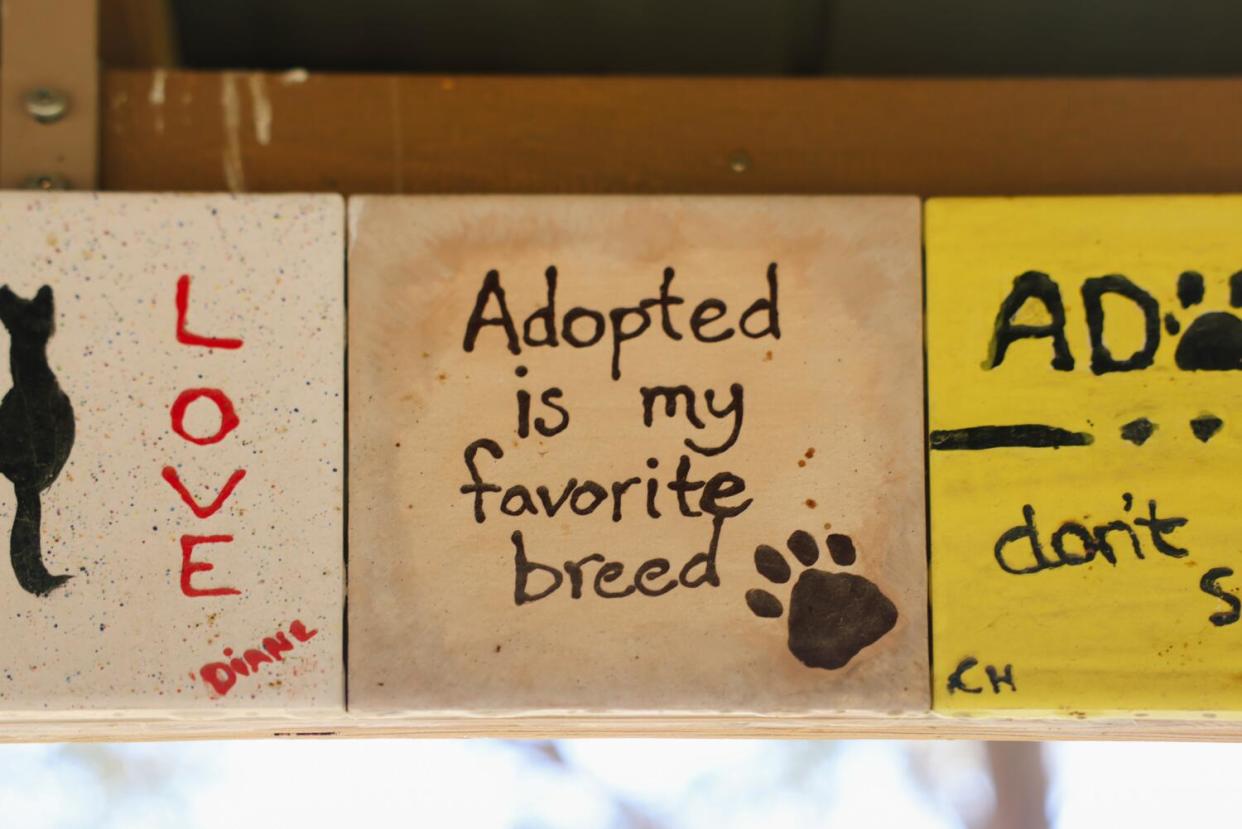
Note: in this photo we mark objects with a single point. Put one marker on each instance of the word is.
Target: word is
(222, 676)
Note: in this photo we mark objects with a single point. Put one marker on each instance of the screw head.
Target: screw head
(739, 161)
(45, 105)
(47, 182)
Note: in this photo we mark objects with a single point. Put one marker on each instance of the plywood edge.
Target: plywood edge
(923, 726)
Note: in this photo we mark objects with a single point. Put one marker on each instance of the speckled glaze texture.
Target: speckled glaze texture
(122, 634)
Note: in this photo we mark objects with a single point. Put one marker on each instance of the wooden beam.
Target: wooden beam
(137, 33)
(50, 70)
(175, 130)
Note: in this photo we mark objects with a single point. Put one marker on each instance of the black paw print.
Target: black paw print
(832, 616)
(1213, 341)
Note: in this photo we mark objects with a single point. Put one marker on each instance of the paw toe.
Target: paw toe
(804, 548)
(771, 564)
(762, 603)
(841, 548)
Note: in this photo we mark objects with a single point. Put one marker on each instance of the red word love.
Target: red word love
(228, 422)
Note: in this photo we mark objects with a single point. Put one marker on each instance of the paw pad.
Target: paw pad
(1213, 341)
(832, 616)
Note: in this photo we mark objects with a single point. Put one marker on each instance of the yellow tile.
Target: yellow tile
(1081, 633)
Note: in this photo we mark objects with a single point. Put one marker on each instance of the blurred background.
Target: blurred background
(616, 784)
(710, 37)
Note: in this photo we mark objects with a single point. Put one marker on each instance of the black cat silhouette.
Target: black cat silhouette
(1213, 341)
(36, 431)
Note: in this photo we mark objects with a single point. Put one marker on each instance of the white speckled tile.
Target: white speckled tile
(550, 583)
(138, 626)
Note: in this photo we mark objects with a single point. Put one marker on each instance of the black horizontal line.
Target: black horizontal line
(1029, 435)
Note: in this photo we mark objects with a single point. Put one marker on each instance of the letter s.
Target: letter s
(1208, 584)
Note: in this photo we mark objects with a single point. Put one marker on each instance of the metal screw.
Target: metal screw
(47, 106)
(739, 161)
(46, 183)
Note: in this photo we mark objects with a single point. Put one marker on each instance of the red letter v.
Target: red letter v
(171, 476)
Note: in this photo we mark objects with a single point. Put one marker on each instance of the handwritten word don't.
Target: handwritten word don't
(1020, 551)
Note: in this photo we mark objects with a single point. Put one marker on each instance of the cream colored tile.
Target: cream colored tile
(629, 604)
(137, 407)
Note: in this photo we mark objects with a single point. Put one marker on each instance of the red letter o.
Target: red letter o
(228, 415)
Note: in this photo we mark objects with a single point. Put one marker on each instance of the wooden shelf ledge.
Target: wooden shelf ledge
(294, 131)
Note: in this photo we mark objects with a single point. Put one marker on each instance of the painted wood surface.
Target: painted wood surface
(171, 439)
(539, 519)
(1083, 359)
(374, 133)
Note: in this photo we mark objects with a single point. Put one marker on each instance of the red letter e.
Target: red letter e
(189, 567)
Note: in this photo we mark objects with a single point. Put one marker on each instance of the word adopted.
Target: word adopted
(228, 422)
(1090, 542)
(222, 676)
(584, 327)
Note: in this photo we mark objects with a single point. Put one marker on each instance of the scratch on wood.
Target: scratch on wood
(156, 95)
(262, 109)
(234, 173)
(156, 98)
